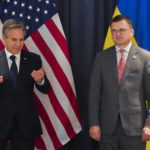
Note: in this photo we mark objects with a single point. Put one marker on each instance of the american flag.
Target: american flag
(58, 110)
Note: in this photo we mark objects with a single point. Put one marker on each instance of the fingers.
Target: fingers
(39, 74)
(95, 133)
(1, 79)
(42, 68)
(40, 71)
(146, 134)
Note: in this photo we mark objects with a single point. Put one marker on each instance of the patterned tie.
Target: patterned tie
(13, 70)
(121, 64)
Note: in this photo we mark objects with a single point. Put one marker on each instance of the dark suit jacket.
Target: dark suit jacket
(20, 101)
(108, 98)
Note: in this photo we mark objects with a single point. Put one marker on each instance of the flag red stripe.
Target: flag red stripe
(61, 115)
(38, 40)
(50, 129)
(1, 45)
(25, 48)
(58, 37)
(40, 143)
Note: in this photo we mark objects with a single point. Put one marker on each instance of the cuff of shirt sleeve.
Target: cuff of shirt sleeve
(41, 83)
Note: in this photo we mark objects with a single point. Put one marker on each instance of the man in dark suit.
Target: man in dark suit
(19, 72)
(119, 88)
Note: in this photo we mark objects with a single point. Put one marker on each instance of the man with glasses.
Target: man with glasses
(119, 87)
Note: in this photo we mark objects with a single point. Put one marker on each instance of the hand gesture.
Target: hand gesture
(1, 79)
(38, 75)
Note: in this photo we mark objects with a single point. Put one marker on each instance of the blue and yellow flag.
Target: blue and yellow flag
(138, 11)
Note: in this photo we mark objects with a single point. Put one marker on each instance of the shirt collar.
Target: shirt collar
(127, 48)
(8, 54)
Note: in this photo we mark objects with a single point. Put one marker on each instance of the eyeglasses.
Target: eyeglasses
(121, 31)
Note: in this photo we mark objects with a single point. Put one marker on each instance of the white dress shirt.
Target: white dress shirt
(8, 54)
(126, 53)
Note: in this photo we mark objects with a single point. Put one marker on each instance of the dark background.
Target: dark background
(85, 23)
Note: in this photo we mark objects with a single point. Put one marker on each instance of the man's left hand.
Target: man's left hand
(146, 134)
(38, 75)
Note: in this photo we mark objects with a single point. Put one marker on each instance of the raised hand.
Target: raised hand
(38, 75)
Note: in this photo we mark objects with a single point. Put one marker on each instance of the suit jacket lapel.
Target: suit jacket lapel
(130, 63)
(23, 62)
(4, 69)
(114, 64)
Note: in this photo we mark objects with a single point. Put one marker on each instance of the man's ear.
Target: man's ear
(132, 32)
(3, 36)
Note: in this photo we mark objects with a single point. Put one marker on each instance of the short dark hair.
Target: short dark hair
(121, 17)
(12, 24)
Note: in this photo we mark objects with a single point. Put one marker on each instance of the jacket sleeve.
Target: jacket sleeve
(146, 79)
(95, 92)
(45, 87)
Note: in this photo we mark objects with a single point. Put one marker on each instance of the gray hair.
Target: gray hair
(12, 24)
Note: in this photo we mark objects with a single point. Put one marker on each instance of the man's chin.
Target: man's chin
(16, 51)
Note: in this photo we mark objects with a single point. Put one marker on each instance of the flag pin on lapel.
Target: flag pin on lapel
(134, 56)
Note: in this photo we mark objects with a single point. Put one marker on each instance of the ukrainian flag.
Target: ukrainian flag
(139, 12)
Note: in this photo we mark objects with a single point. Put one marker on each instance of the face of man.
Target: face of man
(121, 33)
(15, 41)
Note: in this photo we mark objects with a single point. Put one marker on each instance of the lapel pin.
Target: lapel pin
(25, 58)
(134, 56)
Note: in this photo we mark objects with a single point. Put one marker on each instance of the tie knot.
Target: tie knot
(12, 57)
(122, 51)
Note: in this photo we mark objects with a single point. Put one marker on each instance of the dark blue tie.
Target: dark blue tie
(13, 70)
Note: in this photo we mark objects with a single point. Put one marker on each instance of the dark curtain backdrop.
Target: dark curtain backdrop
(85, 23)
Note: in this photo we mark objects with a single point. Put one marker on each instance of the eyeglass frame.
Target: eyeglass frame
(121, 31)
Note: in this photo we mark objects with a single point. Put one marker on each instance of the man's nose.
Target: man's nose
(117, 32)
(18, 43)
